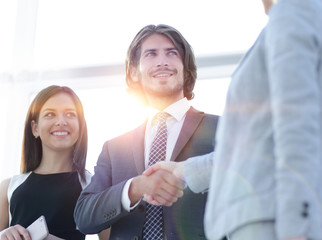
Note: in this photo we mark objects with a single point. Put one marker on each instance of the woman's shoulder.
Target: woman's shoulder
(4, 187)
(5, 182)
(7, 186)
(16, 181)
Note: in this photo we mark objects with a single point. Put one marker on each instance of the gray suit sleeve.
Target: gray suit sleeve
(99, 204)
(293, 46)
(197, 172)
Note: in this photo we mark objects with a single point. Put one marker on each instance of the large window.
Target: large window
(81, 33)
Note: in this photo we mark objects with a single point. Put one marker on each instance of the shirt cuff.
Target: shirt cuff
(126, 202)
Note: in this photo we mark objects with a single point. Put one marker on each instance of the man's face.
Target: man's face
(160, 68)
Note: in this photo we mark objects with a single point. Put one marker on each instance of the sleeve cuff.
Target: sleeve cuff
(126, 203)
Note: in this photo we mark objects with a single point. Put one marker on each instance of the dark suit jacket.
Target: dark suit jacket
(99, 205)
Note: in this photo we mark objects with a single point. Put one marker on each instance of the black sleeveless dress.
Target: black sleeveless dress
(51, 195)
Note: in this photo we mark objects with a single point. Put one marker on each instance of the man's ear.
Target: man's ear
(34, 128)
(134, 75)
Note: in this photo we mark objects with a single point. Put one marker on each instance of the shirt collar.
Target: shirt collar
(177, 110)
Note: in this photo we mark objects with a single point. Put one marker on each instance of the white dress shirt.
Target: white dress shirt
(174, 123)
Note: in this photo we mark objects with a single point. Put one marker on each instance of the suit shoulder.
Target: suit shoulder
(211, 116)
(207, 115)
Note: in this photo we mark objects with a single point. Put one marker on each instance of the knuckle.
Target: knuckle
(154, 189)
(174, 192)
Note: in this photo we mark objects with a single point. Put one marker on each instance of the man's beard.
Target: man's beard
(158, 91)
(164, 93)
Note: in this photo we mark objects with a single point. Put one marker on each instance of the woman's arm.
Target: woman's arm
(4, 205)
(6, 232)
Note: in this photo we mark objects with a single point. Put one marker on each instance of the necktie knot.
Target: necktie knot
(160, 117)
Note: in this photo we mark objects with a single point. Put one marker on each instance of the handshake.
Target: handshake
(161, 184)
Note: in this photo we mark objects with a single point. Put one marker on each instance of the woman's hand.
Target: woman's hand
(16, 232)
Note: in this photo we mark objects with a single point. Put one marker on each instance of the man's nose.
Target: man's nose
(162, 60)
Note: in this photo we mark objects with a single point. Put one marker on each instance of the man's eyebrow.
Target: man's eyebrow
(154, 49)
(149, 50)
(171, 49)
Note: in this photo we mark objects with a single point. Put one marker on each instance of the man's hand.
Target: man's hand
(176, 169)
(15, 232)
(161, 185)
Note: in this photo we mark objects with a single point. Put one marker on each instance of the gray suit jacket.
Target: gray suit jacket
(122, 158)
(268, 159)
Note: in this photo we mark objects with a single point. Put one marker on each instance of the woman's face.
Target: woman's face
(58, 124)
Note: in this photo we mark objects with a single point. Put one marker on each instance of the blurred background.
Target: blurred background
(82, 44)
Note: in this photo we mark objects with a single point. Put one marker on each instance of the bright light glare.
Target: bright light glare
(210, 95)
(109, 112)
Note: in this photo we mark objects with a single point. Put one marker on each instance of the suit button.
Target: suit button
(135, 238)
(305, 214)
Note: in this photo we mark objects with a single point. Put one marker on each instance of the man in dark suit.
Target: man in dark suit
(160, 67)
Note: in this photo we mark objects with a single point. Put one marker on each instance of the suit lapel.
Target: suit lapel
(189, 126)
(138, 147)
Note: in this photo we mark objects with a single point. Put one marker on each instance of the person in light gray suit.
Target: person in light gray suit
(266, 180)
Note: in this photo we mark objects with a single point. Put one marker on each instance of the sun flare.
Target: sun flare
(109, 112)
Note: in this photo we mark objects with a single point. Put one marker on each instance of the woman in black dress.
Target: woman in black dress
(52, 166)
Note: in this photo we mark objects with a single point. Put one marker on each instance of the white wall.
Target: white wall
(14, 100)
